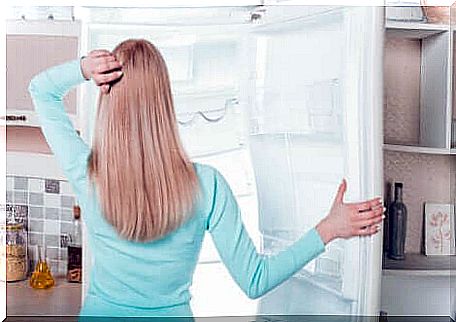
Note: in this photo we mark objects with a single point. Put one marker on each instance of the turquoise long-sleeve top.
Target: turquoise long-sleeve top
(153, 278)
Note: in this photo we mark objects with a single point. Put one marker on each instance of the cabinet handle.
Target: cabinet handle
(15, 118)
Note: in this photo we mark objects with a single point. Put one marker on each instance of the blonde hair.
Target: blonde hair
(145, 181)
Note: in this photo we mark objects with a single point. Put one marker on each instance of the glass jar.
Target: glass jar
(14, 252)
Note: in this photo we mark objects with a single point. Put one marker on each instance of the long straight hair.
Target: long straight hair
(146, 183)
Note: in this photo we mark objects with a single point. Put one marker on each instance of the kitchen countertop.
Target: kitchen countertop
(62, 299)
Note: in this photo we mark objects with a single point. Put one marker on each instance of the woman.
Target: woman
(146, 206)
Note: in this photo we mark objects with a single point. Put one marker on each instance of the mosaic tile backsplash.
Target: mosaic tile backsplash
(45, 206)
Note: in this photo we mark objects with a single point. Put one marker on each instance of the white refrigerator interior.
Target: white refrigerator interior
(285, 101)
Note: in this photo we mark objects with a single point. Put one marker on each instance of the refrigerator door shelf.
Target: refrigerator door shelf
(327, 265)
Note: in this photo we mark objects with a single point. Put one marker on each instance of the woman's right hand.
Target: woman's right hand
(101, 66)
(347, 220)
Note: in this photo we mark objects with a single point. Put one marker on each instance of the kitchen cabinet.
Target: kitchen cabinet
(275, 98)
(26, 139)
(31, 47)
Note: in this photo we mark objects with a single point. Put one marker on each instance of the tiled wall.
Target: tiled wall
(46, 208)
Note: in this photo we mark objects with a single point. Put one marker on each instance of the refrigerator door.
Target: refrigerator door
(315, 118)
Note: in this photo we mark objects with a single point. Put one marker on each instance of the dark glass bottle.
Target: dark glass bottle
(74, 268)
(397, 213)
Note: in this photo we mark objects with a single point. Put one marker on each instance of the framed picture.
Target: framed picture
(439, 229)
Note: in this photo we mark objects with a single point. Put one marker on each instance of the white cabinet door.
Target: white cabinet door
(315, 118)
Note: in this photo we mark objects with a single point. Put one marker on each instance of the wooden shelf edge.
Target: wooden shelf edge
(417, 149)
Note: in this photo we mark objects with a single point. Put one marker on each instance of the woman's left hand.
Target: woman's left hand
(347, 220)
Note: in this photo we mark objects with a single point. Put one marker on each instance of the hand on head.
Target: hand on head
(101, 66)
(347, 220)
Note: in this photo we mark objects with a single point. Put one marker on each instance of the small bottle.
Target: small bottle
(74, 266)
(397, 225)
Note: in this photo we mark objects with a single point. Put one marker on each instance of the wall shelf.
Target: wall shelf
(418, 273)
(414, 30)
(417, 149)
(420, 265)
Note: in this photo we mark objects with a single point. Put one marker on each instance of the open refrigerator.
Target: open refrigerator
(284, 101)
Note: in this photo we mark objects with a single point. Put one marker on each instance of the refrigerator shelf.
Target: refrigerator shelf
(321, 282)
(310, 138)
(197, 156)
(204, 92)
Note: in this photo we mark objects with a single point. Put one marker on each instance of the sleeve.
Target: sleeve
(256, 274)
(47, 90)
